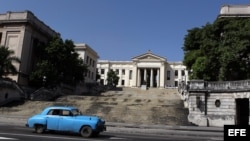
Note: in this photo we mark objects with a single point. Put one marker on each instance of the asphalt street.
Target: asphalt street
(189, 131)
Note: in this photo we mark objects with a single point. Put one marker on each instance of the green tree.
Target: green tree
(59, 63)
(219, 51)
(112, 78)
(6, 62)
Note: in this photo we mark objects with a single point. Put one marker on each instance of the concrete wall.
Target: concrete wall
(10, 91)
(214, 103)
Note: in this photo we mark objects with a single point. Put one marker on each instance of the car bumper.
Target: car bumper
(101, 128)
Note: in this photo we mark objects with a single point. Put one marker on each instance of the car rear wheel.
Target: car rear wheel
(39, 129)
(86, 131)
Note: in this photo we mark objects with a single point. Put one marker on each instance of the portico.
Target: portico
(148, 77)
(150, 70)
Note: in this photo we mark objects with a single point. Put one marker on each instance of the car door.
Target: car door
(53, 118)
(66, 122)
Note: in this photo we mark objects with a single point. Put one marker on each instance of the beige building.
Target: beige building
(148, 68)
(90, 58)
(23, 32)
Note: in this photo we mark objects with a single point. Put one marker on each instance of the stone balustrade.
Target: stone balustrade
(195, 85)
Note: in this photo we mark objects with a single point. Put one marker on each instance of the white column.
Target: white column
(106, 76)
(120, 77)
(134, 76)
(162, 76)
(127, 81)
(145, 74)
(158, 77)
(138, 78)
(151, 77)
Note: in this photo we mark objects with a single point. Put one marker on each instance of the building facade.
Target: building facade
(147, 69)
(23, 32)
(218, 103)
(90, 57)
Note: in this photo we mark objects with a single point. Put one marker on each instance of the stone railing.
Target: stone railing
(218, 85)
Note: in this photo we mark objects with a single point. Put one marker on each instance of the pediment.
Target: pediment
(148, 57)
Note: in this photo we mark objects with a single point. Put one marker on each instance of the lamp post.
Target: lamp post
(44, 80)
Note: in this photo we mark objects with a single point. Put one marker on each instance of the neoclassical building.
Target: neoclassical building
(23, 32)
(148, 68)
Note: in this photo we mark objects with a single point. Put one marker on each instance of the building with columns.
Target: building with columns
(147, 69)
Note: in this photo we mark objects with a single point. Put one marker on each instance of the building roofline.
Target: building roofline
(234, 10)
(84, 46)
(26, 17)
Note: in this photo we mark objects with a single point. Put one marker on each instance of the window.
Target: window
(66, 113)
(55, 112)
(117, 71)
(123, 81)
(130, 74)
(182, 72)
(168, 75)
(176, 83)
(93, 64)
(90, 61)
(123, 71)
(102, 71)
(176, 72)
(87, 60)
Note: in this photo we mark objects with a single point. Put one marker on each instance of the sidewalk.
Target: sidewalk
(133, 128)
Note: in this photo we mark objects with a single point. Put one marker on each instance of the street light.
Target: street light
(44, 80)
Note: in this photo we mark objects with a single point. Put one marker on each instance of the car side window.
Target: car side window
(54, 112)
(66, 113)
(50, 112)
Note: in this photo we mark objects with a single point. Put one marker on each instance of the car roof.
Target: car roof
(62, 107)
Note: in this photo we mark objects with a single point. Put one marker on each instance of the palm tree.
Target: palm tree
(6, 60)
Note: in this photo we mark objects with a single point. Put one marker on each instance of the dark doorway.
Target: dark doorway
(242, 111)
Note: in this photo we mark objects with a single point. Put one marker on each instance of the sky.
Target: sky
(119, 30)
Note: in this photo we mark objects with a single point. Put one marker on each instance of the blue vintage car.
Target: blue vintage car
(69, 119)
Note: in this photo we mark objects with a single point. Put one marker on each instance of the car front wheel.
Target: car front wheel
(39, 129)
(86, 131)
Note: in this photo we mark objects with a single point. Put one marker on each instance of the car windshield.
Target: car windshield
(76, 112)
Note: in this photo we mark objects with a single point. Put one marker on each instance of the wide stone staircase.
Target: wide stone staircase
(133, 105)
(125, 105)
